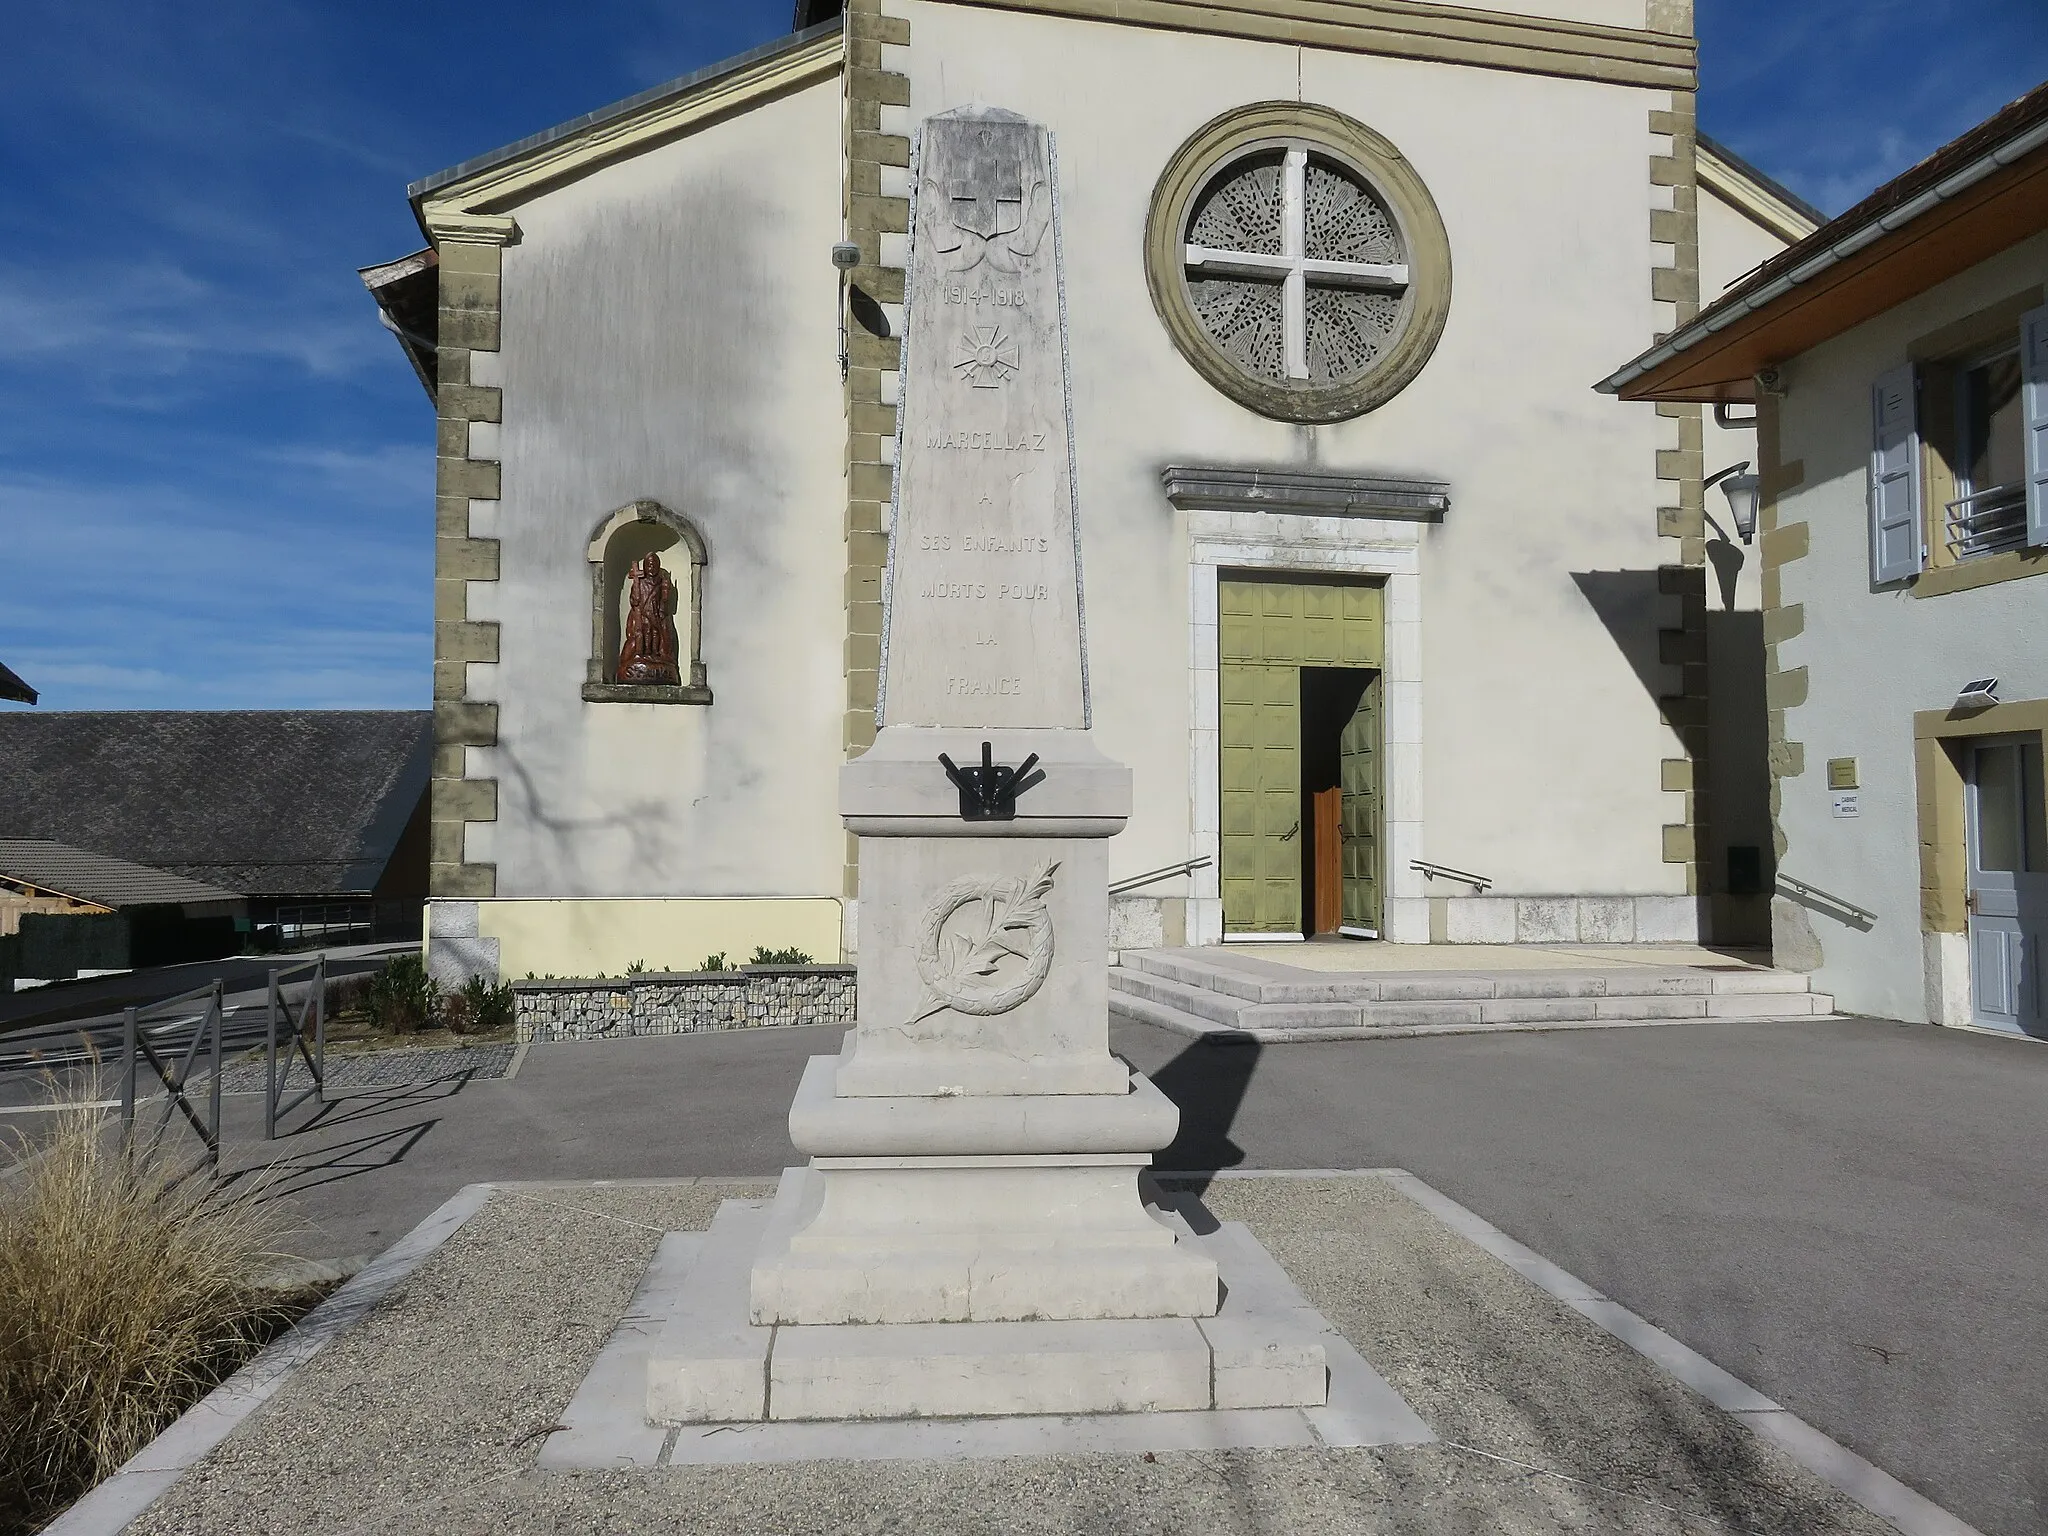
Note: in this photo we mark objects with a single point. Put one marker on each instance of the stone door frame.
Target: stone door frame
(1220, 540)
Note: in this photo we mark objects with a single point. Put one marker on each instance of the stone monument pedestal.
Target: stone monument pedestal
(969, 1237)
(973, 1210)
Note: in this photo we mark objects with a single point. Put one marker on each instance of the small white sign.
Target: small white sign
(1848, 806)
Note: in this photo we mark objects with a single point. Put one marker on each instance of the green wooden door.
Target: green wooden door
(1359, 768)
(1261, 798)
(1266, 633)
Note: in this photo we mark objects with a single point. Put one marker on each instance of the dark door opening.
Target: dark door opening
(1340, 800)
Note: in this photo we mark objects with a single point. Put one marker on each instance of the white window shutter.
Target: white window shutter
(1895, 525)
(2034, 370)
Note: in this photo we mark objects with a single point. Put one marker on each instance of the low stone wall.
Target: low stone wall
(684, 1003)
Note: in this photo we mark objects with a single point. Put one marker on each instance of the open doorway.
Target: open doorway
(1340, 801)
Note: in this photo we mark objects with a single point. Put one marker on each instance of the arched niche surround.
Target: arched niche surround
(640, 528)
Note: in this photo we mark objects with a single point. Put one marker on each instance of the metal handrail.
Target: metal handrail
(138, 1046)
(1431, 871)
(1152, 877)
(1798, 887)
(315, 1058)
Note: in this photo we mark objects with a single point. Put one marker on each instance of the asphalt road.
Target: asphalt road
(99, 997)
(1850, 1215)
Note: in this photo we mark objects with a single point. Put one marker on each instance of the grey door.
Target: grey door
(2008, 883)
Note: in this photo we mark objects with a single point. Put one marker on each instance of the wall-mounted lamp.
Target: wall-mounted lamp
(845, 256)
(1740, 487)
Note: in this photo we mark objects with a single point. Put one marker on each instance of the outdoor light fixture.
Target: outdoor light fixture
(1978, 693)
(845, 256)
(1740, 487)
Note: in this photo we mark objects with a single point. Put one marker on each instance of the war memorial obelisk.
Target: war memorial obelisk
(969, 1236)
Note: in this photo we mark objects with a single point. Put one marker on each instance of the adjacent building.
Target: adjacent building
(65, 912)
(1404, 632)
(314, 821)
(1897, 362)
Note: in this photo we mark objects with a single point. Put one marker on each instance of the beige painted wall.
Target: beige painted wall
(670, 333)
(602, 938)
(1541, 739)
(1875, 657)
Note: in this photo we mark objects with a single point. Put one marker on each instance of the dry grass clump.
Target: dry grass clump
(127, 1292)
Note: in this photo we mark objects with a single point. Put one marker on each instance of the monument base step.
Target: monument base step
(1265, 1348)
(989, 1239)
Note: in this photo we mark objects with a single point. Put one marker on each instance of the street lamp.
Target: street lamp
(1740, 487)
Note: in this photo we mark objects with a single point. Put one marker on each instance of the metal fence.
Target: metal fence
(288, 1026)
(151, 1037)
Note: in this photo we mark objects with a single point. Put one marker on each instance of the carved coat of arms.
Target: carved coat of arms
(994, 208)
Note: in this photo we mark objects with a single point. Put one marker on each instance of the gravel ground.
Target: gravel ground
(428, 1416)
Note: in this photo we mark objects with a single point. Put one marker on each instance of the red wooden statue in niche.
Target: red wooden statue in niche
(648, 652)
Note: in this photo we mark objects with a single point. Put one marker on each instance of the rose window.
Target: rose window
(1296, 268)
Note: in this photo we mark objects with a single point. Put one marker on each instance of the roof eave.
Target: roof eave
(2013, 173)
(488, 178)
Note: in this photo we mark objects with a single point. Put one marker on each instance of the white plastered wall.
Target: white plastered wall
(1539, 738)
(670, 333)
(1875, 657)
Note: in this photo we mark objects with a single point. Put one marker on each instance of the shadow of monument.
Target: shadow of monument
(1208, 1082)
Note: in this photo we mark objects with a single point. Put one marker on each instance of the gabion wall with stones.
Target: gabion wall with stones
(683, 1004)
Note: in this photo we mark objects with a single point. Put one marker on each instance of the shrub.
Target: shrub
(482, 1007)
(126, 1293)
(780, 957)
(715, 963)
(349, 994)
(403, 998)
(637, 968)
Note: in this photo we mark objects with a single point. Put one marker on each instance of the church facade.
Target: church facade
(1404, 631)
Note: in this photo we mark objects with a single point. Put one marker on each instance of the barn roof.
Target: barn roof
(259, 802)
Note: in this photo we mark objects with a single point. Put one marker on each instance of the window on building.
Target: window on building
(1988, 514)
(1959, 452)
(1298, 261)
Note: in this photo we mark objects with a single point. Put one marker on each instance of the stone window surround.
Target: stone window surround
(1221, 539)
(598, 686)
(1245, 130)
(1943, 574)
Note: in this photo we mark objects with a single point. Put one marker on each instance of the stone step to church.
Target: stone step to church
(1229, 1012)
(1251, 980)
(1198, 997)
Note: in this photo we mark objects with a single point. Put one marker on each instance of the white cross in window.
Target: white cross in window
(1294, 269)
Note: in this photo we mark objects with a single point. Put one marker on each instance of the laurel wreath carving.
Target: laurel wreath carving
(963, 971)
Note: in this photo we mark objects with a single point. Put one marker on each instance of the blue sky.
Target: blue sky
(215, 467)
